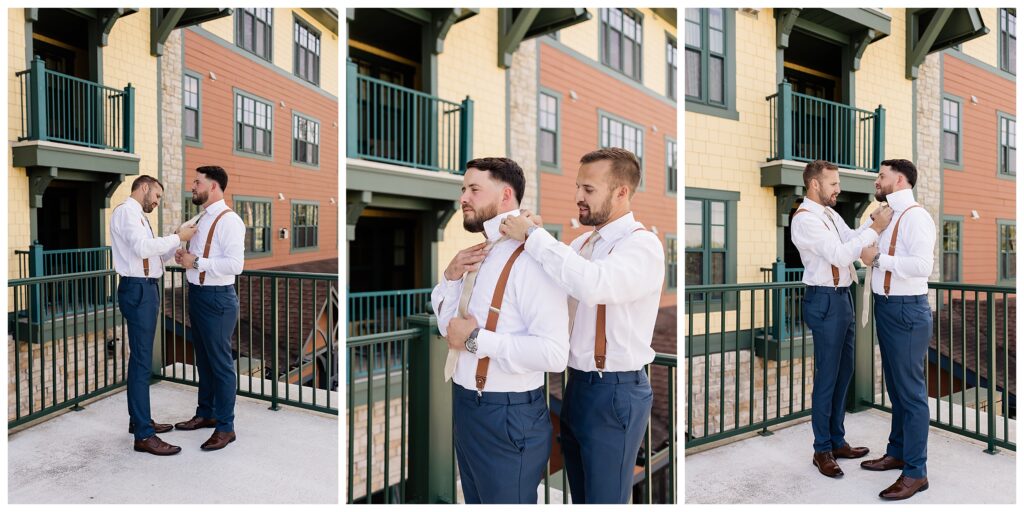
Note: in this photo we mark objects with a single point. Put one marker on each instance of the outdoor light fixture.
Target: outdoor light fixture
(280, 196)
(333, 201)
(974, 215)
(573, 95)
(213, 76)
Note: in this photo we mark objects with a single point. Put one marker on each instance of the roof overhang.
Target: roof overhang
(518, 25)
(931, 30)
(856, 28)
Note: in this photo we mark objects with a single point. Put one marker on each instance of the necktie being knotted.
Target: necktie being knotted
(467, 292)
(587, 251)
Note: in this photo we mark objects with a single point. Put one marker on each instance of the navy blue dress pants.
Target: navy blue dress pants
(828, 311)
(139, 299)
(213, 313)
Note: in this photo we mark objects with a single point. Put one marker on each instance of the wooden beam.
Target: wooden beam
(919, 49)
(509, 38)
(784, 25)
(860, 44)
(161, 25)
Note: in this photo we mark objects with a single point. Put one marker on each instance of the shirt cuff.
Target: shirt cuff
(886, 262)
(538, 241)
(486, 343)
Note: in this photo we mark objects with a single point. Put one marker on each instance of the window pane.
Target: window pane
(716, 80)
(717, 237)
(613, 50)
(717, 213)
(716, 18)
(694, 237)
(694, 269)
(547, 147)
(949, 146)
(717, 268)
(694, 212)
(190, 124)
(950, 270)
(693, 77)
(716, 41)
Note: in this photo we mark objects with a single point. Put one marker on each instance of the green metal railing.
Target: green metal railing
(62, 261)
(418, 409)
(62, 108)
(763, 379)
(397, 125)
(805, 128)
(385, 311)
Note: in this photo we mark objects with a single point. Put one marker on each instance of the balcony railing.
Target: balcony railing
(750, 361)
(62, 108)
(396, 401)
(285, 340)
(385, 311)
(805, 128)
(397, 125)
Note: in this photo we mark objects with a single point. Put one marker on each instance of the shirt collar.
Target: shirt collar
(491, 225)
(618, 228)
(900, 200)
(812, 206)
(216, 207)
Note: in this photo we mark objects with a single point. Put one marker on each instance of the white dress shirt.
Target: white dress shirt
(227, 253)
(132, 240)
(911, 266)
(821, 247)
(628, 281)
(531, 337)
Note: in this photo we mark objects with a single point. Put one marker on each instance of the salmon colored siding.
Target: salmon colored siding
(978, 186)
(580, 131)
(250, 176)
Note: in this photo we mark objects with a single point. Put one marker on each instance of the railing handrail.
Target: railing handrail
(710, 288)
(833, 103)
(58, 277)
(73, 78)
(388, 293)
(246, 273)
(407, 90)
(370, 339)
(104, 248)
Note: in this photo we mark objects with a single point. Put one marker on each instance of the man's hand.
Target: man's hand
(186, 232)
(187, 259)
(465, 260)
(178, 254)
(880, 218)
(867, 254)
(459, 329)
(515, 227)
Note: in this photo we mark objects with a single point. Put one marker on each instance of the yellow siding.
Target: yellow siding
(18, 224)
(284, 37)
(986, 48)
(223, 28)
(582, 37)
(654, 65)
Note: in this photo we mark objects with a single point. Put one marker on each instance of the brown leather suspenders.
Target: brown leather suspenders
(892, 246)
(835, 269)
(209, 242)
(600, 336)
(492, 315)
(145, 261)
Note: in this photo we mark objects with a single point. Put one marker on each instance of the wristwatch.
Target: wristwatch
(874, 261)
(195, 263)
(471, 341)
(530, 230)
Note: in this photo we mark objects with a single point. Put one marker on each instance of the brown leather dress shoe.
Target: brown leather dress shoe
(159, 428)
(904, 488)
(827, 465)
(156, 446)
(886, 463)
(218, 440)
(196, 423)
(848, 452)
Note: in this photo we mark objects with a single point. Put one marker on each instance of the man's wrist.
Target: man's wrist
(530, 230)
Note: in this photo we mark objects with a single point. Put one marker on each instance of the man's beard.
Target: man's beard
(477, 224)
(200, 198)
(830, 201)
(596, 217)
(882, 194)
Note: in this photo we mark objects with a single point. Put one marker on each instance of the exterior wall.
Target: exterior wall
(172, 157)
(19, 226)
(360, 457)
(583, 37)
(978, 186)
(255, 176)
(522, 110)
(654, 66)
(928, 124)
(595, 91)
(986, 48)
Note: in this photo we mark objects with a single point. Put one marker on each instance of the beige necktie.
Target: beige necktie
(865, 297)
(853, 269)
(586, 252)
(467, 292)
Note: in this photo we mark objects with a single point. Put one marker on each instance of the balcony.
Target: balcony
(55, 107)
(396, 125)
(749, 370)
(805, 128)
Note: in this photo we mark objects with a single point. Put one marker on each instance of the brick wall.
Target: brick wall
(376, 460)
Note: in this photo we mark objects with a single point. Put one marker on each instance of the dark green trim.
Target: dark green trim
(392, 179)
(319, 154)
(291, 221)
(983, 65)
(198, 141)
(731, 199)
(93, 322)
(161, 25)
(607, 71)
(668, 170)
(789, 173)
(959, 220)
(1000, 281)
(556, 167)
(999, 38)
(555, 230)
(1000, 115)
(299, 20)
(256, 199)
(701, 105)
(511, 31)
(600, 42)
(956, 165)
(258, 61)
(643, 136)
(671, 40)
(73, 158)
(707, 193)
(160, 145)
(235, 92)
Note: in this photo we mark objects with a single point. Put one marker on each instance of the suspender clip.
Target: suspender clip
(600, 373)
(494, 310)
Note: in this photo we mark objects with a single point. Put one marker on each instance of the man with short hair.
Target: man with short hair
(211, 266)
(902, 263)
(614, 276)
(828, 248)
(505, 323)
(138, 258)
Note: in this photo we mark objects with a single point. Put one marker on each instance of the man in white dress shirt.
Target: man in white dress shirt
(211, 266)
(614, 276)
(828, 248)
(902, 264)
(139, 258)
(503, 343)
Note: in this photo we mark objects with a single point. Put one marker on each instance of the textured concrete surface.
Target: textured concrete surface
(285, 456)
(778, 469)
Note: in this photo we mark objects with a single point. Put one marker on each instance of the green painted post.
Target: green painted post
(465, 133)
(785, 121)
(879, 137)
(779, 311)
(863, 353)
(275, 321)
(351, 110)
(35, 269)
(127, 123)
(993, 380)
(431, 471)
(37, 100)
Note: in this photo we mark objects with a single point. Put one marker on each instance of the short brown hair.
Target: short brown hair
(904, 167)
(215, 173)
(504, 170)
(144, 179)
(813, 170)
(625, 166)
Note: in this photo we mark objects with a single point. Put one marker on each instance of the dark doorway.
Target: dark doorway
(385, 254)
(66, 219)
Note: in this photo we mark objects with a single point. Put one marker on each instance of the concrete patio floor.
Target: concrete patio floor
(285, 456)
(778, 469)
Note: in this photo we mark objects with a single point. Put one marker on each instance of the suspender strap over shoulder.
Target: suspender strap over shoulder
(892, 246)
(835, 269)
(209, 242)
(145, 261)
(492, 315)
(600, 336)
